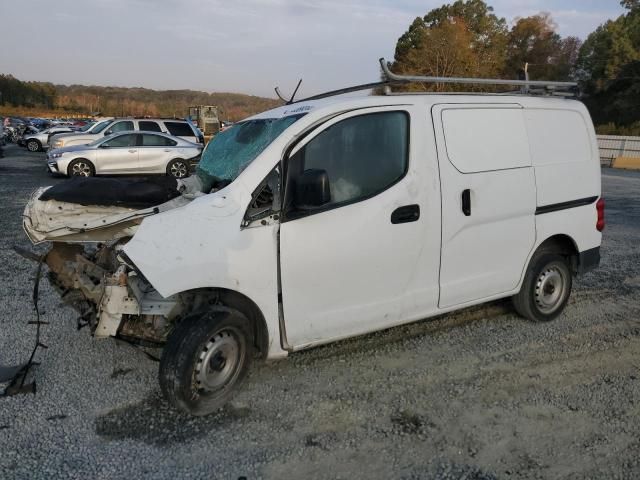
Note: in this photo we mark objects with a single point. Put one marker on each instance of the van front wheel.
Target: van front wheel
(206, 357)
(546, 288)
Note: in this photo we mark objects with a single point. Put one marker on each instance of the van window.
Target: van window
(179, 129)
(486, 139)
(557, 136)
(362, 155)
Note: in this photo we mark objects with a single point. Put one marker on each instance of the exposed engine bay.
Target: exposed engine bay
(85, 261)
(108, 294)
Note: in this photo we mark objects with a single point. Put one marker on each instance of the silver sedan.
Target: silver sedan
(127, 153)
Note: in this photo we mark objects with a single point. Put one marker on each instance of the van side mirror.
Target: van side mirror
(312, 189)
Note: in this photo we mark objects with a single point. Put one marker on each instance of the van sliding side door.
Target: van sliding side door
(488, 200)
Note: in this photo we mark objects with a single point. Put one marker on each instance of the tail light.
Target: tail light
(600, 210)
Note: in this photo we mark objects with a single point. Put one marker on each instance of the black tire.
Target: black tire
(201, 347)
(546, 287)
(81, 167)
(34, 145)
(178, 168)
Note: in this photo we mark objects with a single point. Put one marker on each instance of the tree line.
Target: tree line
(467, 39)
(28, 94)
(120, 101)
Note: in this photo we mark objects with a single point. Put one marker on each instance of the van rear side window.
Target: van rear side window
(486, 139)
(557, 136)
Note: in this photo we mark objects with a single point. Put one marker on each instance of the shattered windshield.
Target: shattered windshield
(231, 151)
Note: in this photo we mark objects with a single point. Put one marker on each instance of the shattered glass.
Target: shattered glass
(231, 151)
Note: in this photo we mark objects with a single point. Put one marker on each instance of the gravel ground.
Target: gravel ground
(481, 394)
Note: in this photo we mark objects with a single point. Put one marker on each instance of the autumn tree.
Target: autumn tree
(462, 39)
(441, 51)
(609, 68)
(534, 41)
(631, 4)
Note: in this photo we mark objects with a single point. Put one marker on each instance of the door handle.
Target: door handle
(406, 214)
(133, 151)
(167, 150)
(466, 202)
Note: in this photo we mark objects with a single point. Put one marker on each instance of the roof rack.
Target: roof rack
(531, 87)
(527, 84)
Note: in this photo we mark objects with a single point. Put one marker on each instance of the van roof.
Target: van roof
(345, 103)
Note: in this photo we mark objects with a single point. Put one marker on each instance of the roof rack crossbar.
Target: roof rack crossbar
(475, 81)
(355, 88)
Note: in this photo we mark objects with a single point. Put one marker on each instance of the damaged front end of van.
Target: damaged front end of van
(85, 259)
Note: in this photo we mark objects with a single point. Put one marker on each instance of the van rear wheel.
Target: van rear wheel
(205, 359)
(546, 288)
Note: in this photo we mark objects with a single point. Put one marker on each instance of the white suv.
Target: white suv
(331, 218)
(174, 126)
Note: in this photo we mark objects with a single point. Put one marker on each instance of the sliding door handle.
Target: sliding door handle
(466, 202)
(406, 214)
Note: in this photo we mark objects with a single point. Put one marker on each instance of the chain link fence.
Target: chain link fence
(618, 149)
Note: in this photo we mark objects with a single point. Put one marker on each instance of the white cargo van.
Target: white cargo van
(334, 217)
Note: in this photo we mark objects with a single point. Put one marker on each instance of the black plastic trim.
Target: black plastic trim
(565, 205)
(589, 260)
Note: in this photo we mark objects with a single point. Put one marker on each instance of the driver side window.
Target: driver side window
(362, 156)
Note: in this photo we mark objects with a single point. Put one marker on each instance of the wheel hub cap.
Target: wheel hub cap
(179, 170)
(550, 288)
(218, 362)
(81, 169)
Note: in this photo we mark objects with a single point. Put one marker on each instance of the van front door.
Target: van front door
(351, 264)
(488, 200)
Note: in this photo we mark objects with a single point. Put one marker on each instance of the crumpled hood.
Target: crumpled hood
(57, 221)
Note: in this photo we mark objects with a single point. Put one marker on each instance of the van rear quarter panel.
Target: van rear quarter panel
(566, 162)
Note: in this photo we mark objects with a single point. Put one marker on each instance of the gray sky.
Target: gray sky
(245, 46)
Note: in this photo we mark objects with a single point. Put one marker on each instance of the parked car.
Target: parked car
(28, 130)
(331, 218)
(127, 153)
(175, 127)
(40, 141)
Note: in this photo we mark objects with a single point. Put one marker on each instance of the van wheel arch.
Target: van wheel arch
(204, 299)
(562, 245)
(547, 282)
